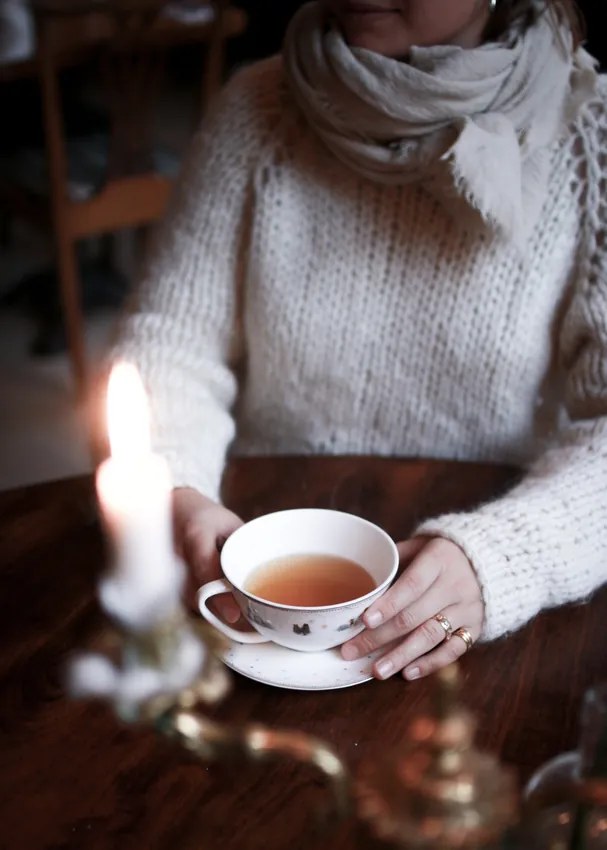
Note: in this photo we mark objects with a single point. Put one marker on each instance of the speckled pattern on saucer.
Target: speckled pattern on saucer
(301, 671)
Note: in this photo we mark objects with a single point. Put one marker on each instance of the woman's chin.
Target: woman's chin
(384, 44)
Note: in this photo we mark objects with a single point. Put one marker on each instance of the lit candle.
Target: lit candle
(134, 491)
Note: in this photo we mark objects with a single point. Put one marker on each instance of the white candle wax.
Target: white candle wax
(134, 491)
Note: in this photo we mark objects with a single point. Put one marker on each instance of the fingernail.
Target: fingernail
(413, 673)
(384, 668)
(374, 619)
(349, 652)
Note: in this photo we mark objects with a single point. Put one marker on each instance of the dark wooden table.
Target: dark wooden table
(73, 778)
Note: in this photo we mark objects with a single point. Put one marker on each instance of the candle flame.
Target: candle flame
(128, 413)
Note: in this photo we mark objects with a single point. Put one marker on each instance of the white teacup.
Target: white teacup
(308, 531)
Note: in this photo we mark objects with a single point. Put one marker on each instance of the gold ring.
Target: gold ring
(447, 627)
(465, 635)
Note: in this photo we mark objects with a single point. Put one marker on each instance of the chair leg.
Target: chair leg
(65, 244)
(69, 291)
(95, 414)
(214, 65)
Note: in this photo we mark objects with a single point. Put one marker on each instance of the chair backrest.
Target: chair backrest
(129, 40)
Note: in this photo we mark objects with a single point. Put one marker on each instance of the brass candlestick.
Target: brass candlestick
(438, 791)
(179, 713)
(435, 791)
(566, 798)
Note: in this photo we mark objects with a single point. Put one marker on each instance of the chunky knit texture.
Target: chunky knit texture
(291, 306)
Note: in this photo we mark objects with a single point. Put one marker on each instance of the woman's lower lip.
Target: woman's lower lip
(367, 10)
(367, 19)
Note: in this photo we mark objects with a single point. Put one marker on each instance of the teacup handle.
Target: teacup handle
(214, 588)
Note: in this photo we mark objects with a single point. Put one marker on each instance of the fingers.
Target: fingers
(438, 580)
(190, 592)
(426, 649)
(408, 549)
(446, 653)
(224, 605)
(419, 614)
(417, 578)
(226, 608)
(200, 537)
(201, 528)
(200, 553)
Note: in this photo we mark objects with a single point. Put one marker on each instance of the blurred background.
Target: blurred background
(98, 99)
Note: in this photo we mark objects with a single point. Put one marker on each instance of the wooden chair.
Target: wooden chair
(131, 36)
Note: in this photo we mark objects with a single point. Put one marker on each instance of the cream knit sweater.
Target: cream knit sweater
(293, 307)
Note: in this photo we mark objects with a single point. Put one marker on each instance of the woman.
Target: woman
(392, 241)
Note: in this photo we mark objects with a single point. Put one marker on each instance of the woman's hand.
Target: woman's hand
(201, 527)
(438, 579)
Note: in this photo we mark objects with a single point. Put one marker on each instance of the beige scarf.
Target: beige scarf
(485, 117)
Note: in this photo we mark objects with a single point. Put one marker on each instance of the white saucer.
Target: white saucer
(300, 671)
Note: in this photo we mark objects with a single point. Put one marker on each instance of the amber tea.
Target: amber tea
(310, 581)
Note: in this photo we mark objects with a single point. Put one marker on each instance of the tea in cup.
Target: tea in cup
(303, 578)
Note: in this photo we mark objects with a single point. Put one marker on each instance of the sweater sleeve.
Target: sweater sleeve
(545, 542)
(182, 331)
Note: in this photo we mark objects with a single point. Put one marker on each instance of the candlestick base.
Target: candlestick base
(176, 706)
(437, 791)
